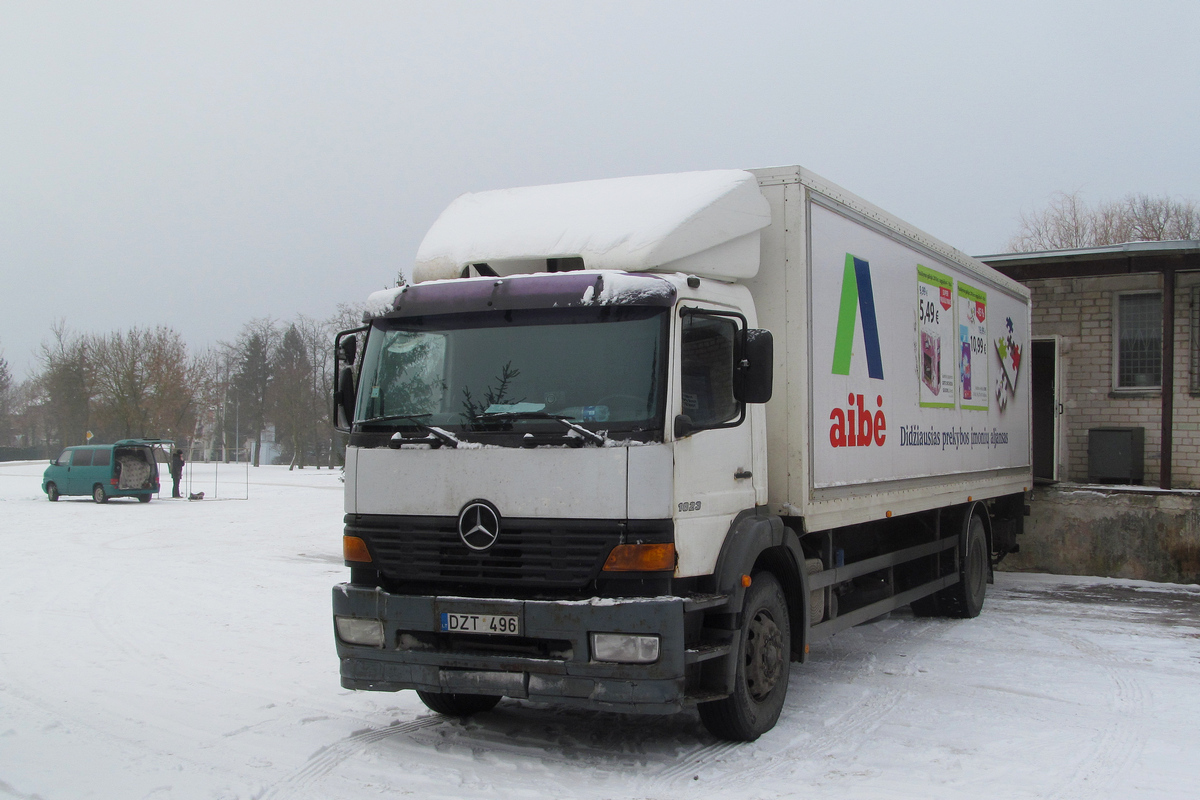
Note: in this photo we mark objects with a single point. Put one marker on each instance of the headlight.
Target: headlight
(352, 630)
(624, 648)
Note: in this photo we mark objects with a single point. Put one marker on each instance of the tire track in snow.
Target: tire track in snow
(540, 736)
(691, 763)
(845, 728)
(326, 759)
(1113, 754)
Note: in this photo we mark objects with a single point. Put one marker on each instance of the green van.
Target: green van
(124, 469)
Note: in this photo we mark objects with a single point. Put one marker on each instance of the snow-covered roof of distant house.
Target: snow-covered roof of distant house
(706, 223)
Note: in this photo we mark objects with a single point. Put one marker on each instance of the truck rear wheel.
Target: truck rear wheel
(964, 599)
(99, 495)
(458, 705)
(764, 646)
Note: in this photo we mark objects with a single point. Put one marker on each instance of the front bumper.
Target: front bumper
(550, 662)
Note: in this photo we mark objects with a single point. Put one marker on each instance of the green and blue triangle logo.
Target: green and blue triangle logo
(857, 298)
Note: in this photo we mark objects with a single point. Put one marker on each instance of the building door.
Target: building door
(1046, 409)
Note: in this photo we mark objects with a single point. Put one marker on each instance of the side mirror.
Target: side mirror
(752, 382)
(345, 349)
(683, 426)
(344, 398)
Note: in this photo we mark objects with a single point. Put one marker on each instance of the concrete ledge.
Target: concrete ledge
(1111, 531)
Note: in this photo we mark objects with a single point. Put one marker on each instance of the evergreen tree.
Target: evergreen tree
(291, 404)
(252, 381)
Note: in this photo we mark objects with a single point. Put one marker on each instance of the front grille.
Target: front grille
(542, 553)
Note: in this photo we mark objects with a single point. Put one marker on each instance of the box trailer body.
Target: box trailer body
(919, 329)
(635, 444)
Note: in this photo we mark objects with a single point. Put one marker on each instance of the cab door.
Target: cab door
(713, 455)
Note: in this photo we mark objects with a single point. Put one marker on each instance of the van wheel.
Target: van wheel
(763, 654)
(52, 492)
(143, 498)
(99, 495)
(458, 705)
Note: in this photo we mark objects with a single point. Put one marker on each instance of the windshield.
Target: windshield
(600, 367)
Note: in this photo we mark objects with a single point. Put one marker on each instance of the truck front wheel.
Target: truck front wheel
(458, 705)
(764, 646)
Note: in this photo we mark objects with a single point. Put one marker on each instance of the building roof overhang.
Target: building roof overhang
(1118, 259)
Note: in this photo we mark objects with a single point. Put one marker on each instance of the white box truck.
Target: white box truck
(636, 444)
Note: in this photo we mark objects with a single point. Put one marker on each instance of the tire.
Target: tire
(143, 498)
(964, 600)
(99, 495)
(764, 646)
(52, 492)
(458, 705)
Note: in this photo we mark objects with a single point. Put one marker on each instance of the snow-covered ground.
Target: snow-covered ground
(184, 650)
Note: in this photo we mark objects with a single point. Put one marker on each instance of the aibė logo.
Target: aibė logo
(856, 426)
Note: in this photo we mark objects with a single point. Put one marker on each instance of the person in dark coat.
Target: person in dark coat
(176, 471)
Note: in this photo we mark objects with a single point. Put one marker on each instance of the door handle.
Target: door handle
(1060, 409)
(742, 474)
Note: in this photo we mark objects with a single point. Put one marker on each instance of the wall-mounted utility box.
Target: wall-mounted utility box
(1116, 455)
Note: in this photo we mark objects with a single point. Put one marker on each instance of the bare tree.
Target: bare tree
(318, 346)
(66, 382)
(6, 402)
(144, 383)
(31, 415)
(1068, 222)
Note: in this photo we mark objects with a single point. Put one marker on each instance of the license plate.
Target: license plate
(501, 624)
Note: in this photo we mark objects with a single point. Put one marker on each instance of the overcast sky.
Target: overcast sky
(202, 164)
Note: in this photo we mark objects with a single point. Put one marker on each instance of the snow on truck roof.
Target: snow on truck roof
(706, 223)
(572, 289)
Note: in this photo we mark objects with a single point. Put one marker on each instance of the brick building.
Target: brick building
(1106, 321)
(1098, 350)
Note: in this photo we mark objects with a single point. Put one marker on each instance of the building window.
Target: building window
(1139, 341)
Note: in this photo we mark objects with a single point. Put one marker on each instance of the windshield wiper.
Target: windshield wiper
(443, 437)
(589, 435)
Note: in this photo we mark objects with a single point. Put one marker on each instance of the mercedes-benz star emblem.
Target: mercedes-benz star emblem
(478, 526)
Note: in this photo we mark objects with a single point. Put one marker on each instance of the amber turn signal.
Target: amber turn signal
(355, 549)
(641, 558)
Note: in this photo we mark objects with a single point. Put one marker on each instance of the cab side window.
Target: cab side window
(707, 345)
